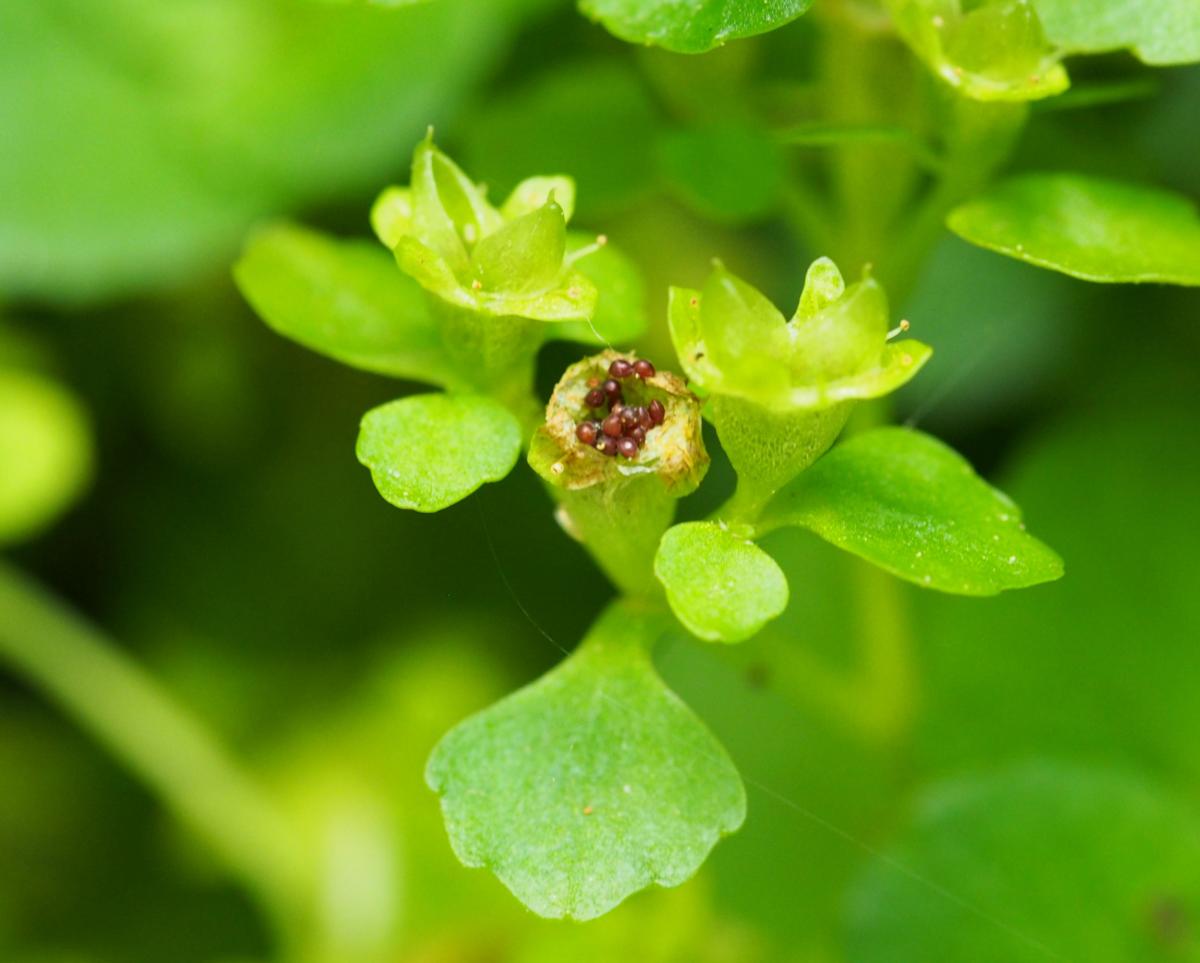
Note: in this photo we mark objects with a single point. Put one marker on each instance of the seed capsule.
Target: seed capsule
(612, 391)
(620, 369)
(643, 368)
(595, 398)
(639, 435)
(586, 432)
(612, 426)
(627, 447)
(657, 412)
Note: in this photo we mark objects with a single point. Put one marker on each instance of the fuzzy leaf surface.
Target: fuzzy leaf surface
(914, 506)
(592, 783)
(722, 587)
(427, 452)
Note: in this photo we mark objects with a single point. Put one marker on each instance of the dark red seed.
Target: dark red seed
(627, 447)
(620, 369)
(595, 398)
(612, 426)
(608, 446)
(617, 408)
(639, 435)
(644, 419)
(629, 417)
(657, 412)
(585, 431)
(612, 390)
(643, 368)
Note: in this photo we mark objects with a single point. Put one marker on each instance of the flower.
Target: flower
(507, 262)
(732, 341)
(673, 449)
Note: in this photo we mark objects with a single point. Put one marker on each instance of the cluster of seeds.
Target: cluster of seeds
(615, 428)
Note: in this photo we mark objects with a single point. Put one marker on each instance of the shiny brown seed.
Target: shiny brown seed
(612, 426)
(620, 369)
(607, 447)
(639, 435)
(627, 447)
(657, 412)
(612, 391)
(586, 432)
(643, 368)
(595, 398)
(644, 419)
(629, 418)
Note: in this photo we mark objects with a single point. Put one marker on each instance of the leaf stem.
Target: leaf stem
(127, 710)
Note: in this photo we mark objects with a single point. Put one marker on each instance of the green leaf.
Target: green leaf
(722, 587)
(620, 312)
(1088, 227)
(1035, 863)
(913, 506)
(592, 783)
(1162, 32)
(344, 299)
(534, 192)
(45, 452)
(691, 26)
(199, 118)
(525, 255)
(727, 172)
(427, 452)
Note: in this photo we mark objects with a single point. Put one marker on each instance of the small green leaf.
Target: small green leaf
(691, 26)
(913, 506)
(1162, 32)
(427, 452)
(1088, 227)
(344, 299)
(727, 172)
(722, 587)
(1031, 864)
(592, 783)
(620, 312)
(45, 452)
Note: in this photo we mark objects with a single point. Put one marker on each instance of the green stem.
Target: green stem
(124, 708)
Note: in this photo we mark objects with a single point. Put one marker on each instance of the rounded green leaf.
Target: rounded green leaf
(1162, 32)
(535, 192)
(913, 506)
(45, 452)
(429, 451)
(525, 255)
(691, 26)
(592, 783)
(1036, 863)
(1088, 227)
(723, 587)
(344, 299)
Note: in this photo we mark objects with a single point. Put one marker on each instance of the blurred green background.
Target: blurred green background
(1022, 784)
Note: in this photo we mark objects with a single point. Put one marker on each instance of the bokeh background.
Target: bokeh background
(1016, 779)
